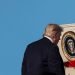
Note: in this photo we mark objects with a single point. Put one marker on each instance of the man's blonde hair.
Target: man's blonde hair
(52, 29)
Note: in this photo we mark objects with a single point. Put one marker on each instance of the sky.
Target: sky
(22, 22)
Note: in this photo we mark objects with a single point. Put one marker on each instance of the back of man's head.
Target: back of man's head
(52, 29)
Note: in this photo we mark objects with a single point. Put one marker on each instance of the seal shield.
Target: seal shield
(68, 45)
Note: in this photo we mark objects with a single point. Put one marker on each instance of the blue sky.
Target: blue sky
(23, 21)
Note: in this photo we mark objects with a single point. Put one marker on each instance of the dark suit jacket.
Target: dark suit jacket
(42, 58)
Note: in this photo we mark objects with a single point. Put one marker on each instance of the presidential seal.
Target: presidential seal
(68, 45)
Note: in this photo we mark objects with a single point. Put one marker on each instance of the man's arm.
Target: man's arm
(55, 62)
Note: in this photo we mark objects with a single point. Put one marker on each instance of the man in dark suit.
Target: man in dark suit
(42, 57)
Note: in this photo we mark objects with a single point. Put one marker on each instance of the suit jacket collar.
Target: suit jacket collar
(46, 40)
(49, 38)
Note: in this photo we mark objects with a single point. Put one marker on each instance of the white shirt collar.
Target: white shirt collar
(49, 38)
